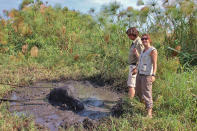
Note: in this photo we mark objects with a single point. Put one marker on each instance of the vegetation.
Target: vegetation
(38, 42)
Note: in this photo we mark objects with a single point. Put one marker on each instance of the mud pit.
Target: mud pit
(34, 102)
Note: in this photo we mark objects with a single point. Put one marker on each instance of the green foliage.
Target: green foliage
(180, 21)
(26, 3)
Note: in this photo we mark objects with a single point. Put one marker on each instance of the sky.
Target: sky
(79, 5)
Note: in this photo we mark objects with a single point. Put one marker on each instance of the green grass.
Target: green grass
(14, 122)
(175, 101)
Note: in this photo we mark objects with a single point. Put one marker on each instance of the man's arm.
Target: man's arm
(136, 53)
(139, 48)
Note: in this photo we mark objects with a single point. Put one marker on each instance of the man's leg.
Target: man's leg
(131, 83)
(131, 92)
(149, 113)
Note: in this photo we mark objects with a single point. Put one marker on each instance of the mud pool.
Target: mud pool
(33, 101)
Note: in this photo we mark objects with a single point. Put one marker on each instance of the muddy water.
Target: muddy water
(33, 102)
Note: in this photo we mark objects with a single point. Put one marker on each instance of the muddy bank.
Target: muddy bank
(34, 102)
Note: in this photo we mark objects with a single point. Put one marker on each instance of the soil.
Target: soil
(33, 101)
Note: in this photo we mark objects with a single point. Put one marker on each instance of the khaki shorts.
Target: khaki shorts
(131, 82)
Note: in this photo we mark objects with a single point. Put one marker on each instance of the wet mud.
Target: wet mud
(34, 101)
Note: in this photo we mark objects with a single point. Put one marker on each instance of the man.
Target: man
(136, 46)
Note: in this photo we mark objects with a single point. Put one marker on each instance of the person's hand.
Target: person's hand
(153, 78)
(134, 71)
(135, 52)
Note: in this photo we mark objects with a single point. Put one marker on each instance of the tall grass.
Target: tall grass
(174, 106)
